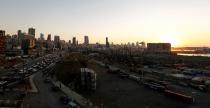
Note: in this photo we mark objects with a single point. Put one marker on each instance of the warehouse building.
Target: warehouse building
(159, 47)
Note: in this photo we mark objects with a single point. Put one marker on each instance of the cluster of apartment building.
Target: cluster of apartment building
(24, 43)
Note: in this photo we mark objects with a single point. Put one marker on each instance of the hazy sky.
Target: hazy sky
(182, 22)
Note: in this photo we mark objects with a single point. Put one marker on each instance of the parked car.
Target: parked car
(47, 80)
(54, 88)
(34, 70)
(21, 95)
(72, 105)
(65, 99)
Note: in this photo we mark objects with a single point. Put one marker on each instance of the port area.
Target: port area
(115, 91)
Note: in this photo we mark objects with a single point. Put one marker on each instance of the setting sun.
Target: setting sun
(170, 39)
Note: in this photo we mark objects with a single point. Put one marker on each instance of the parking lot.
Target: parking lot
(116, 92)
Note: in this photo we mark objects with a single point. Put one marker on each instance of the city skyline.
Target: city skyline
(122, 21)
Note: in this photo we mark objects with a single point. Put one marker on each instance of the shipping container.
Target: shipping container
(179, 96)
(154, 86)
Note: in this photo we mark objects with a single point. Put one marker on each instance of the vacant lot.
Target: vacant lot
(115, 92)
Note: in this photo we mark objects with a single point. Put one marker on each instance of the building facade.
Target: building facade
(49, 37)
(74, 41)
(2, 42)
(28, 43)
(107, 42)
(57, 42)
(86, 40)
(159, 47)
(31, 31)
(41, 36)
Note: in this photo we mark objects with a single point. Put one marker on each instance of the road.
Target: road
(77, 97)
(45, 98)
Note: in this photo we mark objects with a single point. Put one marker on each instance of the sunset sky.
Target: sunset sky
(181, 22)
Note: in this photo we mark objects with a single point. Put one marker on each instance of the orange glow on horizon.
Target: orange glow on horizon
(171, 38)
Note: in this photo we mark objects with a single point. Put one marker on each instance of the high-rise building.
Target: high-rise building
(107, 42)
(74, 41)
(19, 33)
(86, 40)
(49, 37)
(50, 44)
(57, 42)
(2, 41)
(2, 33)
(27, 44)
(15, 41)
(56, 38)
(20, 36)
(31, 31)
(41, 36)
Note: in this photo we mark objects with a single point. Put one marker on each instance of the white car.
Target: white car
(72, 105)
(34, 70)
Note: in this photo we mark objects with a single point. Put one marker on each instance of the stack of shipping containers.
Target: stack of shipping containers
(88, 79)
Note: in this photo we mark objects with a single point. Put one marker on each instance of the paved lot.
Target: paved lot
(115, 92)
(45, 98)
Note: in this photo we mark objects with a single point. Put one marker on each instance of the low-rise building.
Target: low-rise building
(159, 47)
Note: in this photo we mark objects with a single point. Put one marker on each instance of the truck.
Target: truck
(179, 96)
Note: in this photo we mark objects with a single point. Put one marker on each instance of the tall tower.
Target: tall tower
(41, 36)
(49, 37)
(107, 42)
(56, 38)
(2, 42)
(74, 41)
(20, 36)
(31, 31)
(57, 41)
(19, 33)
(86, 40)
(69, 41)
